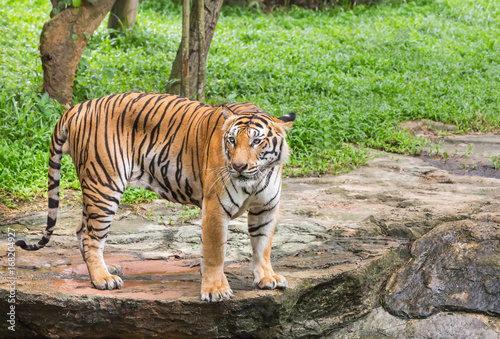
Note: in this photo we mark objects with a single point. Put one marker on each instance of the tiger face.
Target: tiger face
(253, 143)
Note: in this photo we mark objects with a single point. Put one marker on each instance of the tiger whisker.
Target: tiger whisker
(220, 177)
(216, 169)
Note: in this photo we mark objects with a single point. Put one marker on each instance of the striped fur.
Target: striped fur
(227, 160)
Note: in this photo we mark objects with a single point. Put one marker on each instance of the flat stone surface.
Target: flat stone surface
(338, 241)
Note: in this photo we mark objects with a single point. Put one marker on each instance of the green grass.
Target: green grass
(350, 75)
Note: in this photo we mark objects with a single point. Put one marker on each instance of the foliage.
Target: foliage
(496, 161)
(350, 75)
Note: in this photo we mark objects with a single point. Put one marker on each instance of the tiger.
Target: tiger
(227, 160)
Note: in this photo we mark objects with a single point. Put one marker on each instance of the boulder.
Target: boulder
(454, 267)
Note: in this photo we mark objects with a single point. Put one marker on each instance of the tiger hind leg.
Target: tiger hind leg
(112, 269)
(98, 217)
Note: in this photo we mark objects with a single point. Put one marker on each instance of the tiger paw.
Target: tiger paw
(115, 270)
(272, 282)
(109, 282)
(216, 293)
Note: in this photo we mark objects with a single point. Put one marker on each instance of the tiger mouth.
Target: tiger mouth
(245, 176)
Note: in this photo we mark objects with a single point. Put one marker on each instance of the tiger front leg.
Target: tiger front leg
(214, 285)
(261, 225)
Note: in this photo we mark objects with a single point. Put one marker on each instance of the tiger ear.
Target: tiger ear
(287, 119)
(226, 112)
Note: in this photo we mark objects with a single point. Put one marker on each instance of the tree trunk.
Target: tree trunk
(212, 10)
(200, 90)
(62, 42)
(184, 47)
(123, 15)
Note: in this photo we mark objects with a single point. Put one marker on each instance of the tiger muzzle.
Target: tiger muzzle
(239, 167)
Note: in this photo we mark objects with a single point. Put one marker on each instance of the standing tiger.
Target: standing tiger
(226, 160)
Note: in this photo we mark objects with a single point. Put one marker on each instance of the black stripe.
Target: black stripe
(53, 203)
(54, 165)
(232, 184)
(44, 241)
(106, 129)
(267, 181)
(230, 196)
(111, 184)
(263, 211)
(51, 222)
(277, 193)
(102, 229)
(100, 217)
(216, 127)
(55, 184)
(179, 165)
(256, 228)
(258, 235)
(223, 207)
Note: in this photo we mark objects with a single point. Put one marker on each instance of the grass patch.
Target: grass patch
(350, 75)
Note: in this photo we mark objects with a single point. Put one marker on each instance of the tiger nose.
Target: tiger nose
(239, 167)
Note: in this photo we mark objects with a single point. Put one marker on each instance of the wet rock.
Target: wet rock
(455, 267)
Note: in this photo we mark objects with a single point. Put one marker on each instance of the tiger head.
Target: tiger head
(253, 143)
